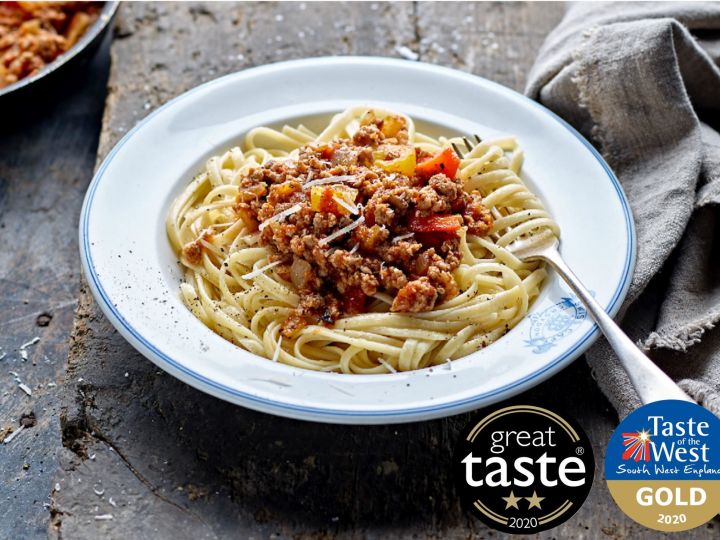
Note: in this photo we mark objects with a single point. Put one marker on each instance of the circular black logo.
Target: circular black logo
(523, 469)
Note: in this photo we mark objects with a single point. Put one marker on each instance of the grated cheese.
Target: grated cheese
(25, 388)
(342, 231)
(354, 248)
(347, 206)
(282, 215)
(402, 237)
(257, 272)
(329, 180)
(276, 354)
(210, 246)
(222, 225)
(23, 354)
(251, 239)
(448, 364)
(104, 517)
(384, 363)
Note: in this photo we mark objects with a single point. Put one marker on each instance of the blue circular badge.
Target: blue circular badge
(663, 465)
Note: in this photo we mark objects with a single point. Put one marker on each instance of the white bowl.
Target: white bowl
(135, 277)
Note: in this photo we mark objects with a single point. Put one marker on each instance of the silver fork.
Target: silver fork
(650, 382)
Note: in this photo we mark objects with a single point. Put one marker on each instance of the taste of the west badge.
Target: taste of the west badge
(523, 469)
(663, 465)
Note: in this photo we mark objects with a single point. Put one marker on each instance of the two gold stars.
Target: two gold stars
(511, 501)
(534, 501)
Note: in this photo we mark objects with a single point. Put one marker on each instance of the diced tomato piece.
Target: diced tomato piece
(354, 300)
(435, 224)
(434, 230)
(445, 162)
(434, 239)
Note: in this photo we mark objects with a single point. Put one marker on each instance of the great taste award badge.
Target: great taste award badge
(523, 469)
(663, 465)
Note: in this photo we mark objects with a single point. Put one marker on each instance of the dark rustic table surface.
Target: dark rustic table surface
(108, 434)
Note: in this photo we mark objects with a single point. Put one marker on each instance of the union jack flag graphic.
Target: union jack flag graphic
(637, 446)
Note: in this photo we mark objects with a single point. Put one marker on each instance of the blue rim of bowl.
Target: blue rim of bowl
(107, 14)
(280, 407)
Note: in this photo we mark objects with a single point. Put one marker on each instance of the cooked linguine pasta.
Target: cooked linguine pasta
(242, 284)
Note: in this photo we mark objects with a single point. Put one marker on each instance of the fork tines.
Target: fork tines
(468, 145)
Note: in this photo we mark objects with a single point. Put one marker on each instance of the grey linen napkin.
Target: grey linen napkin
(641, 81)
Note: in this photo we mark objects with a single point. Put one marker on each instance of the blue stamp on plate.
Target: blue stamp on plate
(554, 323)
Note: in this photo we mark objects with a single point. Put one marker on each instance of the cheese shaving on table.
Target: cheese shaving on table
(25, 388)
(14, 434)
(257, 272)
(33, 341)
(407, 53)
(342, 231)
(104, 517)
(281, 215)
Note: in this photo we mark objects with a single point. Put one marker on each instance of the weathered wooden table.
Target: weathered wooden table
(112, 435)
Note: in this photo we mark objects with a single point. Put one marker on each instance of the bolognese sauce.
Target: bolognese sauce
(33, 34)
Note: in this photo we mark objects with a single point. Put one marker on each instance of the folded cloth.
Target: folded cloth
(641, 81)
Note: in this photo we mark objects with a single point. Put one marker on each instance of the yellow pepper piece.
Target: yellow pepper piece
(405, 164)
(391, 125)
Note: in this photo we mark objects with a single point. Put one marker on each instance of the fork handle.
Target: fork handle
(650, 382)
